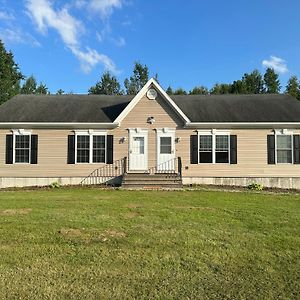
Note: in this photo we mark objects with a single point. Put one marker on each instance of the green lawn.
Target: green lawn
(98, 244)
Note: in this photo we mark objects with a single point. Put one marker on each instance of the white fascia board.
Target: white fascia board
(247, 125)
(141, 93)
(173, 104)
(58, 125)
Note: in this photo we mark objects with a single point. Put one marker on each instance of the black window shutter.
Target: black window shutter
(233, 149)
(110, 149)
(34, 149)
(296, 149)
(71, 149)
(271, 149)
(194, 149)
(9, 149)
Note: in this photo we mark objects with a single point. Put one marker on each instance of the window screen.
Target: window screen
(22, 148)
(205, 149)
(284, 148)
(222, 150)
(83, 149)
(99, 148)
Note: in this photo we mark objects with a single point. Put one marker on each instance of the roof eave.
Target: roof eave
(57, 125)
(246, 125)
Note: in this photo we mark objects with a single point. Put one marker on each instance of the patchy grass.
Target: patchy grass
(95, 244)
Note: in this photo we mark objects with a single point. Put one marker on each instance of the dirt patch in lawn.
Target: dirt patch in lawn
(132, 215)
(16, 211)
(90, 235)
(133, 205)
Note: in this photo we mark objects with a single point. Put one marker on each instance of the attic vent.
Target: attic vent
(151, 94)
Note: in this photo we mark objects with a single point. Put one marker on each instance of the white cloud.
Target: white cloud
(45, 16)
(70, 29)
(91, 58)
(105, 7)
(278, 64)
(17, 36)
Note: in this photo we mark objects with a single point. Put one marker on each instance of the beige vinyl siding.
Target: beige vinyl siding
(251, 157)
(52, 149)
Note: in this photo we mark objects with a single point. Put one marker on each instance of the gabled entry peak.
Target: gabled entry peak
(151, 90)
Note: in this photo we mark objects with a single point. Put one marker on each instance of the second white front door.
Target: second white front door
(165, 149)
(138, 150)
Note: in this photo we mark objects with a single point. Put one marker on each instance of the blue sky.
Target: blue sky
(68, 44)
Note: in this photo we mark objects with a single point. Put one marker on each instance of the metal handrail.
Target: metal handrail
(172, 167)
(107, 172)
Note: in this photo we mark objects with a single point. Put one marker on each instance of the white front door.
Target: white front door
(166, 149)
(138, 149)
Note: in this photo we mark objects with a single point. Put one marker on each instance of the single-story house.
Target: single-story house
(201, 139)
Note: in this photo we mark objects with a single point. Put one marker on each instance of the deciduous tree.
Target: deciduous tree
(199, 90)
(253, 83)
(220, 89)
(180, 91)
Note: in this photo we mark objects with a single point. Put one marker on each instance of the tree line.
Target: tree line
(13, 82)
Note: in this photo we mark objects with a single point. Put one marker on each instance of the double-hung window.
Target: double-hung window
(90, 148)
(214, 148)
(222, 149)
(205, 149)
(284, 148)
(99, 142)
(83, 148)
(21, 152)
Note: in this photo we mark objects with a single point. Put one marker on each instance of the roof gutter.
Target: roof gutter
(57, 125)
(246, 125)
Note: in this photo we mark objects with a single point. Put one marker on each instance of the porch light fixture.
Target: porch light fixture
(123, 140)
(150, 120)
(178, 139)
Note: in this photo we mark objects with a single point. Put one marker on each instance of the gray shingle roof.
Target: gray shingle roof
(63, 108)
(105, 109)
(239, 108)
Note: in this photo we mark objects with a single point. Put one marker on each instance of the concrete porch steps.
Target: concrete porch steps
(153, 181)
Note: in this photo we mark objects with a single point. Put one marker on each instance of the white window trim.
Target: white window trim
(90, 133)
(18, 132)
(284, 132)
(213, 133)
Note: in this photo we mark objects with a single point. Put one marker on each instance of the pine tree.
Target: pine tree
(29, 86)
(10, 75)
(293, 87)
(42, 89)
(139, 78)
(108, 85)
(169, 90)
(271, 81)
(60, 92)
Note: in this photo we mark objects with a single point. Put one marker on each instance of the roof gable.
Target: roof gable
(152, 83)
